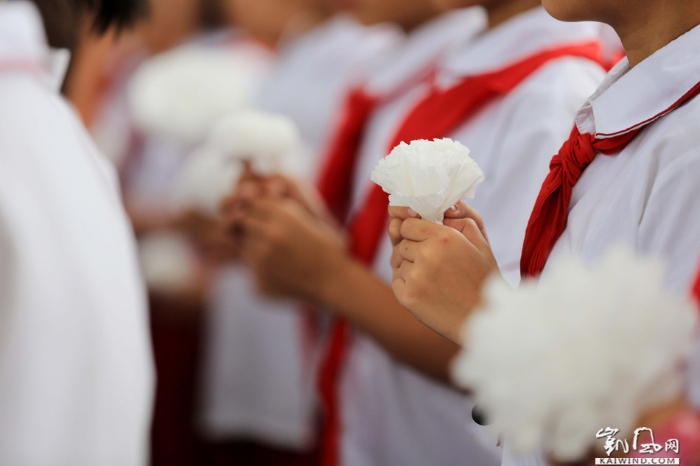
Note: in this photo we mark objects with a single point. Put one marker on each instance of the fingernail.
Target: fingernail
(454, 208)
(412, 213)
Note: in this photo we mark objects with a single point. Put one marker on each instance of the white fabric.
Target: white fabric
(393, 415)
(260, 372)
(151, 173)
(313, 71)
(258, 378)
(76, 375)
(648, 195)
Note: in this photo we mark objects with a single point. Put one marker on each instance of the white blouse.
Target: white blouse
(76, 375)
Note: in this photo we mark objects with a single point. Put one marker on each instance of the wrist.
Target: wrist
(334, 279)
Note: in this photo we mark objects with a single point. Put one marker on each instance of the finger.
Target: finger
(406, 269)
(395, 231)
(396, 258)
(227, 204)
(419, 230)
(264, 209)
(248, 170)
(409, 250)
(308, 197)
(255, 247)
(252, 229)
(277, 187)
(473, 233)
(462, 210)
(402, 212)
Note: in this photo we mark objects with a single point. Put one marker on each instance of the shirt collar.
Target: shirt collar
(523, 35)
(23, 43)
(423, 48)
(630, 98)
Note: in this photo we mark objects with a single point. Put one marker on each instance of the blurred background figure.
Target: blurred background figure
(260, 372)
(76, 375)
(150, 97)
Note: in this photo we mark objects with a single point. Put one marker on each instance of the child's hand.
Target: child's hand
(453, 218)
(292, 253)
(439, 271)
(252, 187)
(209, 236)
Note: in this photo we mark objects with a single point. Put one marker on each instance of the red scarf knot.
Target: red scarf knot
(550, 214)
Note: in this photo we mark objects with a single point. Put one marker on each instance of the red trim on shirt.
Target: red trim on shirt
(687, 96)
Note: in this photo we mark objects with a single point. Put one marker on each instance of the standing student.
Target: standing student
(628, 173)
(499, 92)
(259, 380)
(76, 374)
(371, 107)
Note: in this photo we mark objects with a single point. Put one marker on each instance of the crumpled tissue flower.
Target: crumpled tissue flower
(205, 178)
(428, 176)
(271, 142)
(179, 94)
(552, 362)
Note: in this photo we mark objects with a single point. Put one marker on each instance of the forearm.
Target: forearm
(356, 294)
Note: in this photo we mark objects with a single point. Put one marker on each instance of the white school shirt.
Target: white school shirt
(375, 389)
(259, 377)
(413, 420)
(76, 375)
(313, 71)
(647, 195)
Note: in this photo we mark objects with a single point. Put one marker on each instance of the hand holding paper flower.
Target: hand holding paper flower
(270, 142)
(428, 176)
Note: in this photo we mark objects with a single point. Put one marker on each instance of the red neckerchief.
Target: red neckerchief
(549, 216)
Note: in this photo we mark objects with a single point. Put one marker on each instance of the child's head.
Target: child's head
(406, 13)
(61, 18)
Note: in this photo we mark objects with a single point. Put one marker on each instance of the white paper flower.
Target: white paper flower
(428, 176)
(167, 261)
(551, 363)
(181, 93)
(271, 142)
(203, 181)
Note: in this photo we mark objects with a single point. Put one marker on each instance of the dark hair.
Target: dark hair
(61, 17)
(118, 13)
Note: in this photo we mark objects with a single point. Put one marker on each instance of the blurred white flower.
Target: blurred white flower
(271, 142)
(203, 181)
(428, 176)
(554, 361)
(168, 263)
(179, 94)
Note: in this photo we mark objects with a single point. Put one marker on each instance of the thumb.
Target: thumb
(462, 210)
(470, 230)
